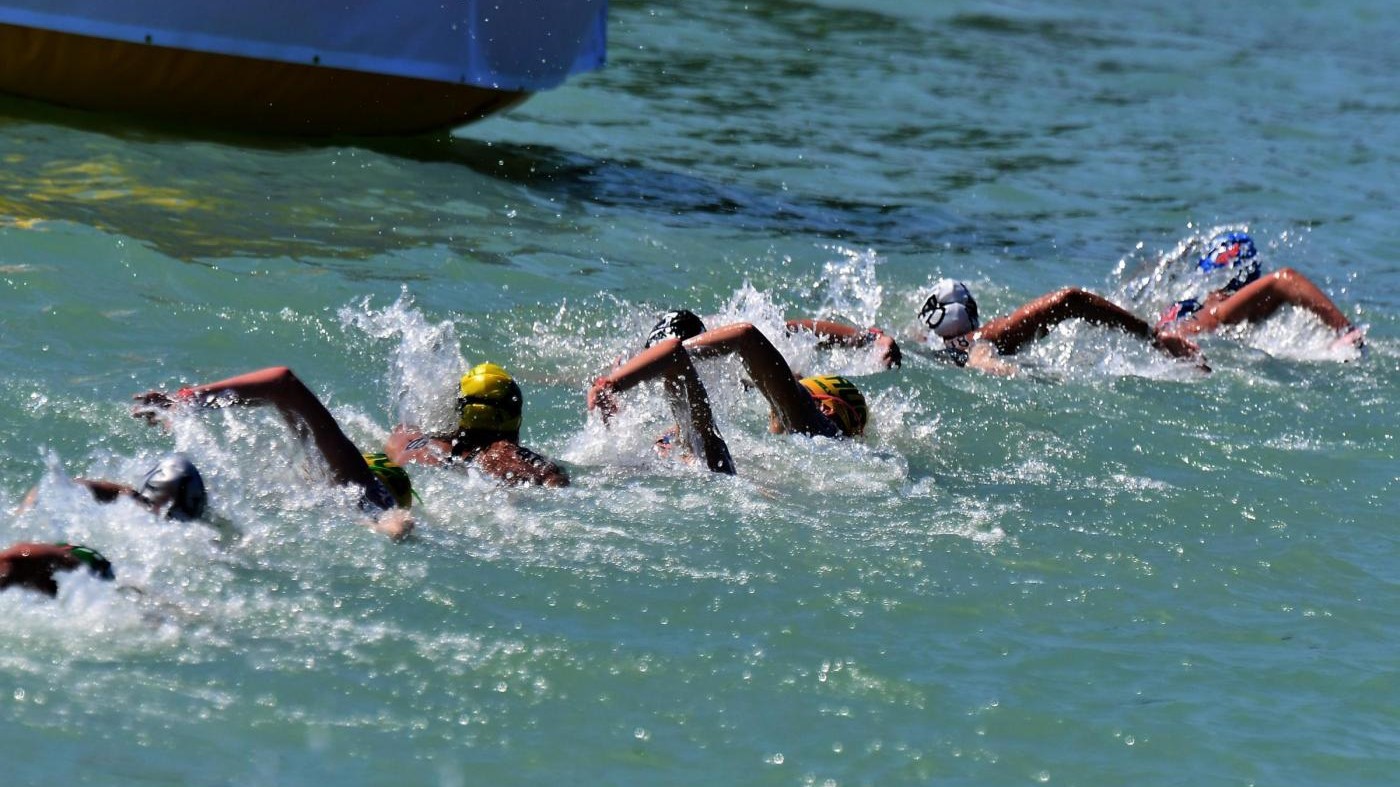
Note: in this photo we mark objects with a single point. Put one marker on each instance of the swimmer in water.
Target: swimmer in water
(173, 489)
(33, 565)
(827, 406)
(487, 437)
(950, 312)
(386, 490)
(689, 401)
(1250, 297)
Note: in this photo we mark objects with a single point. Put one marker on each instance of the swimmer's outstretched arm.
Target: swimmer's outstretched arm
(102, 491)
(770, 373)
(1261, 298)
(280, 387)
(1035, 319)
(690, 402)
(308, 417)
(850, 336)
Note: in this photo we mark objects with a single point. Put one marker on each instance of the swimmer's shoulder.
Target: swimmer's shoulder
(410, 445)
(516, 464)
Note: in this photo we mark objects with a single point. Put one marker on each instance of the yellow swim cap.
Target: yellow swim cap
(840, 400)
(394, 478)
(490, 400)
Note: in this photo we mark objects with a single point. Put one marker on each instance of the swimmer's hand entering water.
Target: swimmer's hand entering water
(151, 405)
(396, 523)
(1178, 346)
(600, 398)
(833, 333)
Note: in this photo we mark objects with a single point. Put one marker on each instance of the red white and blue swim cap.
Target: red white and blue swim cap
(1232, 251)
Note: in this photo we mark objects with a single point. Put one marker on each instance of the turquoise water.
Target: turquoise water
(1107, 570)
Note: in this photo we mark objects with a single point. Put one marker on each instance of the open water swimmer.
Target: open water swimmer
(173, 488)
(950, 313)
(489, 412)
(1248, 296)
(386, 491)
(828, 406)
(34, 565)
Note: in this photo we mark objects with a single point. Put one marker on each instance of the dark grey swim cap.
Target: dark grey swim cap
(681, 324)
(176, 481)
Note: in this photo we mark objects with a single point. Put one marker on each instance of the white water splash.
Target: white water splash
(1172, 276)
(1075, 349)
(1295, 334)
(853, 291)
(426, 355)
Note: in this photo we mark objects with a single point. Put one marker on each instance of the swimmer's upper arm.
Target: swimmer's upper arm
(768, 370)
(1007, 334)
(105, 491)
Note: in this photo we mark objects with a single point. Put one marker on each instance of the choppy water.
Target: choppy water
(1107, 570)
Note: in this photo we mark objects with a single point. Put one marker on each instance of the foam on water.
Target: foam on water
(852, 289)
(1077, 350)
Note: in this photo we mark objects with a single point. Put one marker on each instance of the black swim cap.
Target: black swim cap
(175, 480)
(681, 324)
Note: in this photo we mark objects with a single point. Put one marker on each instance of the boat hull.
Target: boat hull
(313, 67)
(230, 92)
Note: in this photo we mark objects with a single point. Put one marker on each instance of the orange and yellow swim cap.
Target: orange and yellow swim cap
(840, 400)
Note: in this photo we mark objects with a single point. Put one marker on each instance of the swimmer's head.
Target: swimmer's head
(839, 400)
(950, 310)
(489, 400)
(96, 563)
(1234, 251)
(393, 477)
(175, 482)
(681, 324)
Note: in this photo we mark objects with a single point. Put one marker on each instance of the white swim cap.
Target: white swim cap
(950, 311)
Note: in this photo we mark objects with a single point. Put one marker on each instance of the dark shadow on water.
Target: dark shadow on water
(672, 196)
(192, 210)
